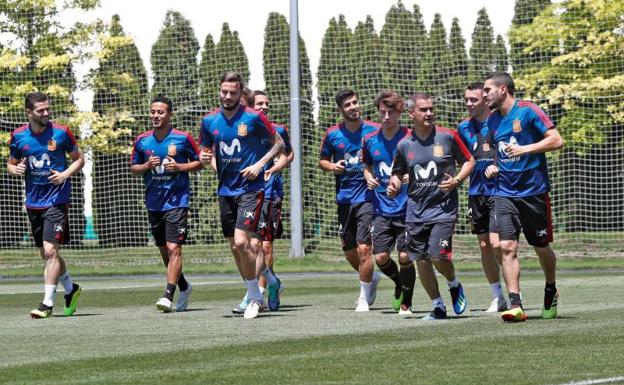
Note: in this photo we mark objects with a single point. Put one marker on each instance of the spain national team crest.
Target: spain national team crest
(517, 125)
(51, 145)
(438, 151)
(172, 150)
(486, 147)
(242, 129)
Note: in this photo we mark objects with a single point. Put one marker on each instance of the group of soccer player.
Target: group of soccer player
(398, 186)
(395, 185)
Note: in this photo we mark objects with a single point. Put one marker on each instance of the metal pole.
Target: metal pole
(296, 193)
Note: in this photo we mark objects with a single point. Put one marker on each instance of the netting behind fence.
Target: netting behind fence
(568, 57)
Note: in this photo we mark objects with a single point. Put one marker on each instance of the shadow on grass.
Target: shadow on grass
(76, 315)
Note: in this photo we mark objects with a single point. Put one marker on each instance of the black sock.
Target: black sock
(549, 294)
(391, 270)
(169, 291)
(515, 300)
(407, 276)
(182, 282)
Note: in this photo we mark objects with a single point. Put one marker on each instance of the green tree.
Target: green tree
(174, 65)
(230, 53)
(39, 56)
(121, 97)
(501, 58)
(458, 79)
(434, 69)
(276, 63)
(209, 76)
(368, 67)
(482, 50)
(524, 13)
(402, 38)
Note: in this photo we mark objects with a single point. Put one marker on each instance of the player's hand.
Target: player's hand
(152, 162)
(56, 177)
(172, 165)
(267, 175)
(394, 186)
(251, 172)
(20, 168)
(491, 171)
(514, 150)
(372, 183)
(405, 179)
(205, 155)
(448, 184)
(339, 167)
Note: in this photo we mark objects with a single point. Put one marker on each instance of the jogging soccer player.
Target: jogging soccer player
(388, 228)
(236, 134)
(429, 156)
(341, 153)
(522, 133)
(38, 153)
(271, 222)
(164, 157)
(476, 136)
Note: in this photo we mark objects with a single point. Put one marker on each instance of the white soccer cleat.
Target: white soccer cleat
(404, 310)
(362, 305)
(373, 288)
(497, 305)
(183, 298)
(164, 305)
(254, 307)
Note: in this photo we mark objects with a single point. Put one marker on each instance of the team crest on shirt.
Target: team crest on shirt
(51, 145)
(172, 150)
(486, 147)
(517, 126)
(438, 151)
(242, 129)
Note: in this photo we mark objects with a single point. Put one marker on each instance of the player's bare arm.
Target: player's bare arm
(450, 183)
(371, 181)
(77, 164)
(327, 165)
(277, 146)
(552, 141)
(17, 167)
(140, 169)
(281, 162)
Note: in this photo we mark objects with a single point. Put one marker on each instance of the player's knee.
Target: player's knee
(241, 243)
(50, 254)
(381, 259)
(508, 249)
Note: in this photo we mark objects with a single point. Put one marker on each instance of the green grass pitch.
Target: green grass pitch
(117, 336)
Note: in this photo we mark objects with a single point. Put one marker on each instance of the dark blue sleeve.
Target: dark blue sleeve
(191, 149)
(137, 156)
(205, 138)
(286, 137)
(14, 149)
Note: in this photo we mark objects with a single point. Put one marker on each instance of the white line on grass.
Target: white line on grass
(597, 381)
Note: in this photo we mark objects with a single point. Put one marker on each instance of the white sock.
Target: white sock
(497, 290)
(438, 302)
(253, 290)
(365, 289)
(48, 295)
(268, 275)
(262, 290)
(67, 282)
(453, 283)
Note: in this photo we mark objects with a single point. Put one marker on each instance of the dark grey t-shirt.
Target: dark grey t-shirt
(426, 162)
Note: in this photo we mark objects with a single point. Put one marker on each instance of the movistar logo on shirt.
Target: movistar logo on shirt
(229, 150)
(352, 162)
(385, 169)
(501, 150)
(158, 172)
(36, 165)
(425, 173)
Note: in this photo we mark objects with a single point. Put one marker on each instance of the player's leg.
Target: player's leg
(441, 251)
(417, 240)
(508, 222)
(536, 219)
(369, 278)
(407, 271)
(247, 217)
(228, 212)
(383, 238)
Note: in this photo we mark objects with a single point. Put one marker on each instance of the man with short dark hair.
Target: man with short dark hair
(37, 152)
(476, 136)
(164, 156)
(341, 153)
(236, 134)
(378, 151)
(522, 133)
(429, 155)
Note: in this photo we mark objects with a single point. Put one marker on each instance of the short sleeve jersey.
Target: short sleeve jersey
(165, 190)
(426, 161)
(274, 187)
(476, 136)
(525, 175)
(378, 153)
(237, 143)
(341, 144)
(44, 152)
